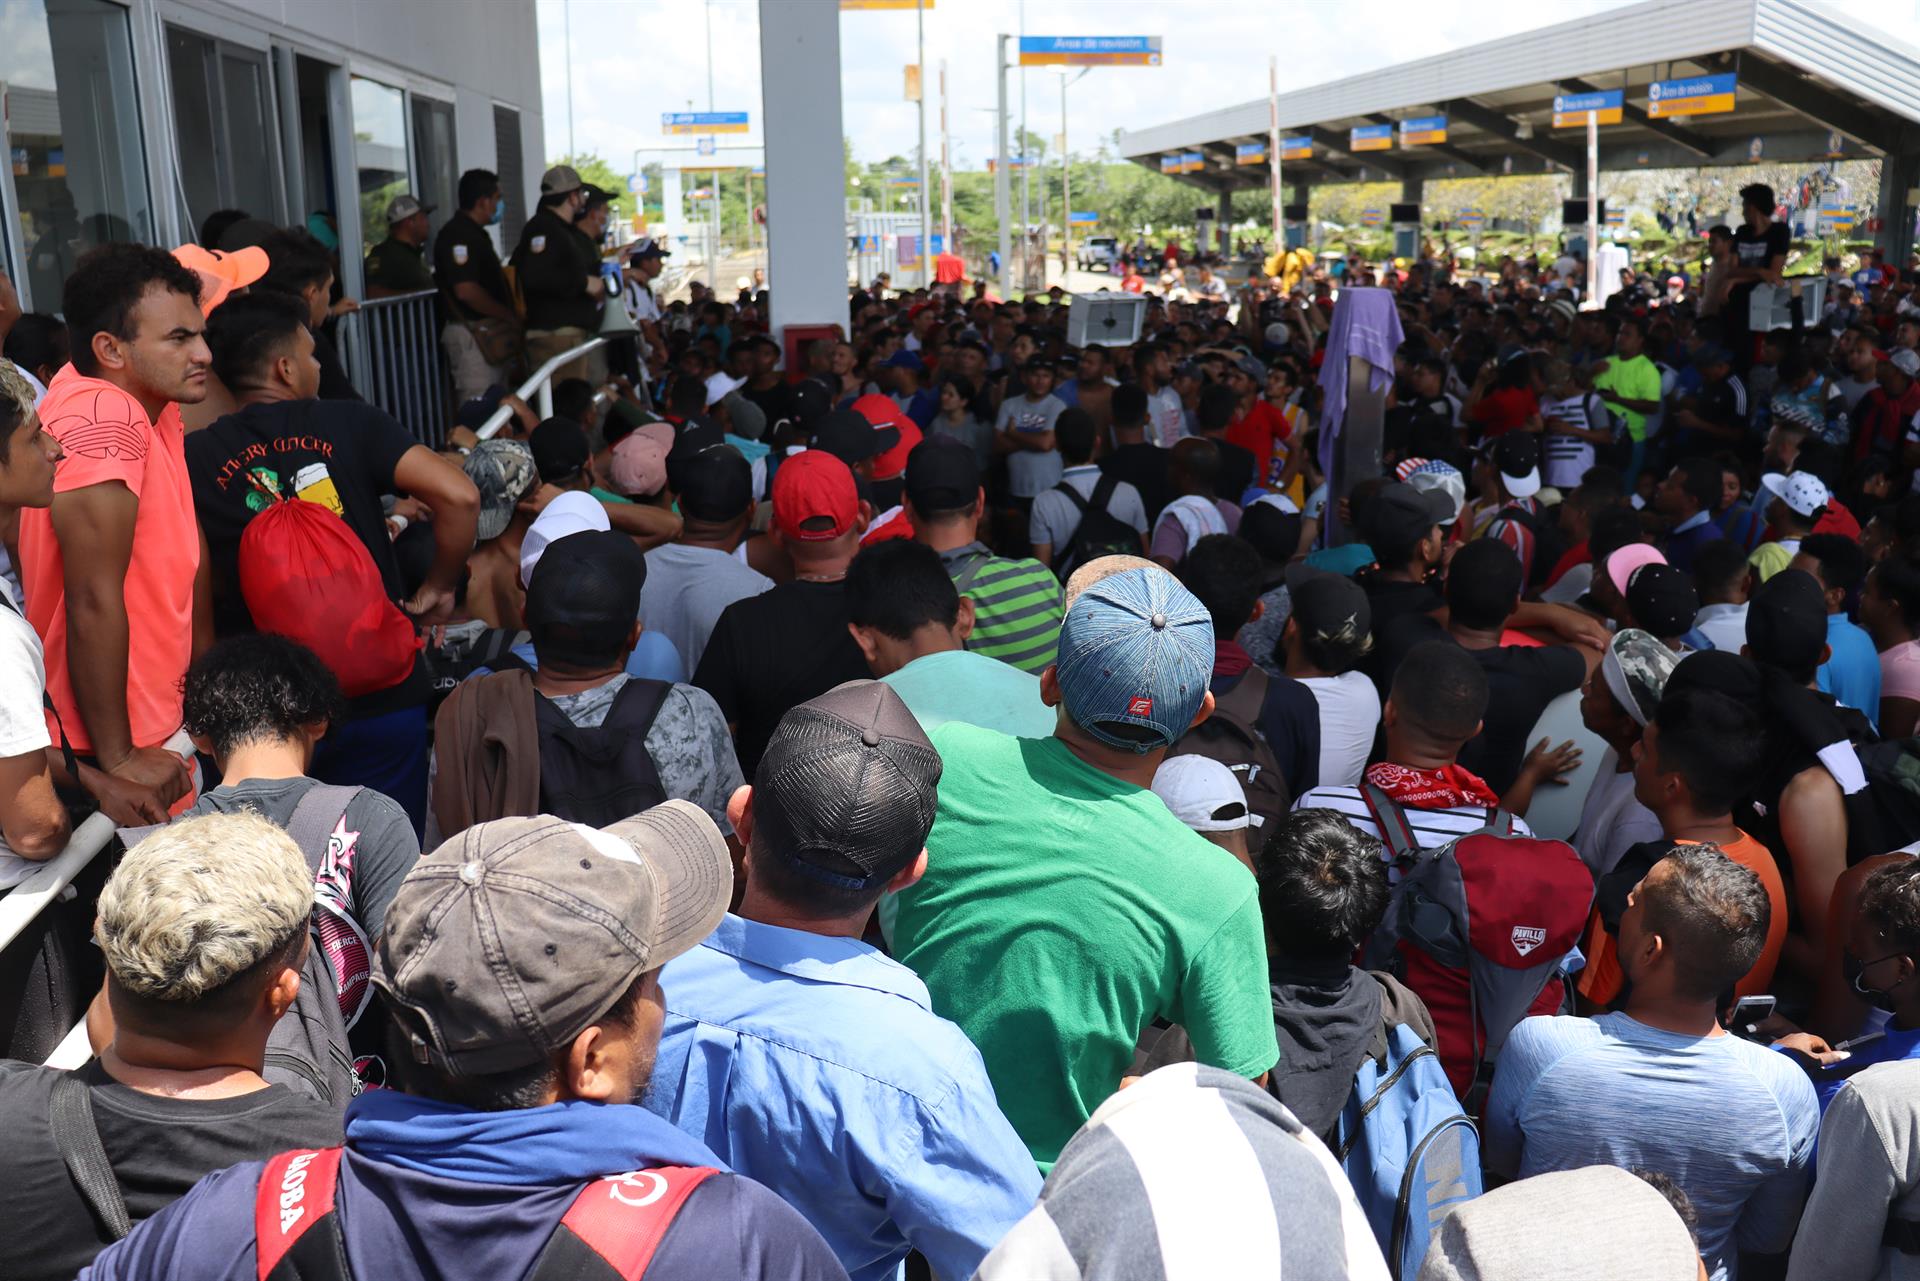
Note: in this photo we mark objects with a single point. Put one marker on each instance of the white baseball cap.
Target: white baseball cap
(1202, 793)
(720, 386)
(1802, 491)
(570, 513)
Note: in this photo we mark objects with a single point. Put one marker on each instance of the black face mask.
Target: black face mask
(1879, 998)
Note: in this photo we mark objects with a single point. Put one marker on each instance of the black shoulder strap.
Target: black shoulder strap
(639, 702)
(1073, 495)
(70, 1109)
(1103, 491)
(315, 816)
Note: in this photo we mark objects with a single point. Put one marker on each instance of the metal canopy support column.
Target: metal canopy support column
(806, 167)
(1899, 177)
(1223, 220)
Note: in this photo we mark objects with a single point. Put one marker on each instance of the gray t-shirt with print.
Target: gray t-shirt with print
(688, 742)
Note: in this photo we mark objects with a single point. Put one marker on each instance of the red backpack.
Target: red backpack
(1477, 928)
(609, 1233)
(306, 576)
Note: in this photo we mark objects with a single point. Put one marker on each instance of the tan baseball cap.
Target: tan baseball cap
(560, 180)
(517, 935)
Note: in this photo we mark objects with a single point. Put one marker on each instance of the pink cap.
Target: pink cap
(1621, 564)
(640, 460)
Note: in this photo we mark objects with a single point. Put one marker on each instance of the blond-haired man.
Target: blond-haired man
(203, 927)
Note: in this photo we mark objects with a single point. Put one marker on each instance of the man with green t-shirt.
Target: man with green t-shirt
(1064, 908)
(1630, 384)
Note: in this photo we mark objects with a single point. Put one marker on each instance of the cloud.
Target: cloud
(633, 59)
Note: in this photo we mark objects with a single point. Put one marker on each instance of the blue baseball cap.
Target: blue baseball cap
(1136, 649)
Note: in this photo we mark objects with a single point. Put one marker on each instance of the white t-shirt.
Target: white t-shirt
(1167, 418)
(1612, 821)
(1349, 715)
(23, 717)
(1567, 457)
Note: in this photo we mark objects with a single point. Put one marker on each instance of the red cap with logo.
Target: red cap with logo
(810, 486)
(882, 412)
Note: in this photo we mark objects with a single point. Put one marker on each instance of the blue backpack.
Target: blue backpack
(1411, 1154)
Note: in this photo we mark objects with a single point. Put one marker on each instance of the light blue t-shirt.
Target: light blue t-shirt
(654, 658)
(1733, 1123)
(959, 685)
(1852, 672)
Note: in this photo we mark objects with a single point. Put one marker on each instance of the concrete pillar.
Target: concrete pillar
(673, 204)
(1299, 234)
(1223, 221)
(1899, 176)
(1579, 178)
(806, 166)
(1406, 237)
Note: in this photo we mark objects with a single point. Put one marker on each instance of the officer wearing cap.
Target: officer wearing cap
(398, 264)
(559, 273)
(482, 336)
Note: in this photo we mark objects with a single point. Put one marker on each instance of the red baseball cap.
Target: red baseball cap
(883, 413)
(809, 486)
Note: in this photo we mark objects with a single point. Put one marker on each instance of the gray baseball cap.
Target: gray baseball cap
(560, 180)
(1636, 667)
(504, 473)
(514, 937)
(406, 206)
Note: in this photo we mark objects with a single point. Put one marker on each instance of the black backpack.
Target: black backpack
(1100, 532)
(1232, 736)
(601, 775)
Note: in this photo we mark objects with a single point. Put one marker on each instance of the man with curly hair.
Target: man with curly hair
(203, 928)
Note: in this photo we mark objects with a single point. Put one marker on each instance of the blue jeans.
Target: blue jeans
(386, 753)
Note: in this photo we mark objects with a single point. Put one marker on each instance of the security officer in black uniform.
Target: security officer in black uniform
(482, 336)
(398, 264)
(559, 276)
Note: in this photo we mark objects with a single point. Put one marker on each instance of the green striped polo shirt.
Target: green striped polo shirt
(1017, 606)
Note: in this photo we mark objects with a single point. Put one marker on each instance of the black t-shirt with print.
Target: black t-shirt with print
(1756, 249)
(158, 1147)
(339, 453)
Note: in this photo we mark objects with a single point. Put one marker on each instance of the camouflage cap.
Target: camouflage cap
(1636, 666)
(504, 473)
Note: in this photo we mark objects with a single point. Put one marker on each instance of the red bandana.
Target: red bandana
(1431, 789)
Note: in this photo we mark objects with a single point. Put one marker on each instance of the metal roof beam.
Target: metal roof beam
(1507, 128)
(1820, 105)
(1440, 149)
(1324, 137)
(1684, 138)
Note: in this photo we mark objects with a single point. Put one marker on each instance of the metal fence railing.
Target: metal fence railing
(403, 371)
(538, 390)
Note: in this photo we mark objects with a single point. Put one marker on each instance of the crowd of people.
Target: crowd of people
(967, 805)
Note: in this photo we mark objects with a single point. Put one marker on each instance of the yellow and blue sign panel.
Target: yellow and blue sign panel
(1371, 138)
(1250, 153)
(1471, 218)
(1423, 131)
(1090, 51)
(1192, 161)
(1083, 215)
(1837, 217)
(1168, 164)
(1371, 217)
(1299, 147)
(1693, 96)
(1616, 218)
(1571, 109)
(703, 122)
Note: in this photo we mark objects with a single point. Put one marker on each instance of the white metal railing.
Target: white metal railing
(46, 885)
(22, 904)
(539, 386)
(400, 341)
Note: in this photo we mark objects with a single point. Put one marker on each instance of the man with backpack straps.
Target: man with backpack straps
(1513, 906)
(1089, 514)
(178, 1089)
(283, 445)
(520, 965)
(258, 705)
(579, 737)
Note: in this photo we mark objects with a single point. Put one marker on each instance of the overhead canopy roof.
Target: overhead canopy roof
(1804, 76)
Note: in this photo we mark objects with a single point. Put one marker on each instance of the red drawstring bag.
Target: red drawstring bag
(306, 576)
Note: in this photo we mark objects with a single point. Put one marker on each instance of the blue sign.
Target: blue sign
(1420, 131)
(1080, 215)
(937, 242)
(1090, 51)
(703, 122)
(1370, 138)
(637, 183)
(1693, 96)
(1570, 109)
(869, 244)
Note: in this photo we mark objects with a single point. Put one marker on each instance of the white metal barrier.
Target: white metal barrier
(540, 387)
(22, 905)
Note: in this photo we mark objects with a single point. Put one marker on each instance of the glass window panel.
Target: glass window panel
(251, 136)
(379, 153)
(193, 114)
(433, 158)
(73, 134)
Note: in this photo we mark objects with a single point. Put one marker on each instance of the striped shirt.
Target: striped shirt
(1431, 828)
(1017, 606)
(1191, 1172)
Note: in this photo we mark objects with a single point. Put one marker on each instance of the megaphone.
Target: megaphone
(614, 320)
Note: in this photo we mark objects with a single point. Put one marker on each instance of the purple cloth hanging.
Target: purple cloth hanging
(1366, 323)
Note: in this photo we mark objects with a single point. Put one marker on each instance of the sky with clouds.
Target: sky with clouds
(631, 60)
